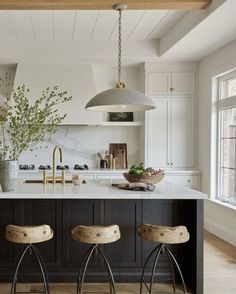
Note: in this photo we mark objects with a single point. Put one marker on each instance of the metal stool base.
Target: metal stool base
(32, 250)
(162, 248)
(84, 265)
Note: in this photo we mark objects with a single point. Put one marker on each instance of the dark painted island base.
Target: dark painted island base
(63, 254)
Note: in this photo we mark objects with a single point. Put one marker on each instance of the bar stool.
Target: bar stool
(29, 235)
(95, 235)
(163, 235)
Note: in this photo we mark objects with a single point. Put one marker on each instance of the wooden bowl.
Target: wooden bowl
(152, 179)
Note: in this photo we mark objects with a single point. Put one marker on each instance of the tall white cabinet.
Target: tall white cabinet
(170, 127)
(182, 153)
(170, 136)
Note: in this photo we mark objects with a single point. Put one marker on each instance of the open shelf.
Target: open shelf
(122, 123)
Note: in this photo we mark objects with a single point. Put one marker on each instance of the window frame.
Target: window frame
(222, 103)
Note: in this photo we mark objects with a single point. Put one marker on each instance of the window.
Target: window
(227, 139)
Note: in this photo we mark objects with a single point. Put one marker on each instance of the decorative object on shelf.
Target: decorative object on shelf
(120, 98)
(24, 125)
(139, 174)
(121, 116)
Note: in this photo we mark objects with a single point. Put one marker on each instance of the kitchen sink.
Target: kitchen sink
(41, 182)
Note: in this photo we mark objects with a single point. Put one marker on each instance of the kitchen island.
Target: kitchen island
(63, 207)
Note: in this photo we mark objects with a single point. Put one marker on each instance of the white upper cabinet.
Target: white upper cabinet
(160, 84)
(77, 80)
(183, 83)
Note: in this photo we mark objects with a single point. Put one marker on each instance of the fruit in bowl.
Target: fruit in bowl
(138, 173)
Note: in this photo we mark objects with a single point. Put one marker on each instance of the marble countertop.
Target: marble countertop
(101, 189)
(109, 171)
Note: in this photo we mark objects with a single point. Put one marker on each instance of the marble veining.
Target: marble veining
(80, 145)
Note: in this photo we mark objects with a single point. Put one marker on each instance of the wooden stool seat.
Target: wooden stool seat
(28, 234)
(96, 234)
(164, 234)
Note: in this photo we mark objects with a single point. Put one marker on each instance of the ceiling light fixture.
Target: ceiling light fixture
(120, 99)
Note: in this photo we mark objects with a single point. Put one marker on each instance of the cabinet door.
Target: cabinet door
(158, 83)
(183, 83)
(38, 212)
(182, 133)
(191, 181)
(127, 214)
(10, 213)
(157, 134)
(77, 212)
(162, 213)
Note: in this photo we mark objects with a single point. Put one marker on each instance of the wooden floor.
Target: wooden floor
(220, 274)
(219, 266)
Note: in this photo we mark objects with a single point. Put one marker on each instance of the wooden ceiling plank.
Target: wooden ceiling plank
(103, 4)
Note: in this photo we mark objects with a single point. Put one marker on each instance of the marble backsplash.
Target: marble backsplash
(80, 145)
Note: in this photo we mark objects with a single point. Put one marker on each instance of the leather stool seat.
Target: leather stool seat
(164, 234)
(28, 234)
(96, 234)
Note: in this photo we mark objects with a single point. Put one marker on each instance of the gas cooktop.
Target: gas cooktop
(80, 167)
(48, 167)
(26, 166)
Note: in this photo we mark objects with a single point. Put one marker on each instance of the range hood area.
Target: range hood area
(82, 81)
(77, 79)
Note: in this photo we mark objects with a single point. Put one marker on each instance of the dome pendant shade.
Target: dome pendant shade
(120, 100)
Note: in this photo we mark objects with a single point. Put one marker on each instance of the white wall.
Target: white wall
(218, 220)
(6, 88)
(81, 143)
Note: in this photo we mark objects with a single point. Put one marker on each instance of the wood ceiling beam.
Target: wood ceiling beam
(103, 4)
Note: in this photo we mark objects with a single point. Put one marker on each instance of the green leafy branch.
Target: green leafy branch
(24, 125)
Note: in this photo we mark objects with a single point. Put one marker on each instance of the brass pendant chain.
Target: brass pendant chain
(119, 84)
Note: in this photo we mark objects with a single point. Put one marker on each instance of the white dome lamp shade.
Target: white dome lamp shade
(120, 99)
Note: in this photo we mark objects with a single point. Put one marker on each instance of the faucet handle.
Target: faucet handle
(63, 177)
(44, 177)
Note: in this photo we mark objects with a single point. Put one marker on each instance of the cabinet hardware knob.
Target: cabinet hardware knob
(171, 163)
(168, 163)
(189, 181)
(172, 89)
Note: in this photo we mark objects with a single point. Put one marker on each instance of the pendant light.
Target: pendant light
(120, 99)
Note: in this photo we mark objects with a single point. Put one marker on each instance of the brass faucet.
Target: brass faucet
(54, 178)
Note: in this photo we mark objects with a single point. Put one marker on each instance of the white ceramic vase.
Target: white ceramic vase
(9, 173)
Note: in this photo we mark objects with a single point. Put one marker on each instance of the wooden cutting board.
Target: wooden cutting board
(119, 151)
